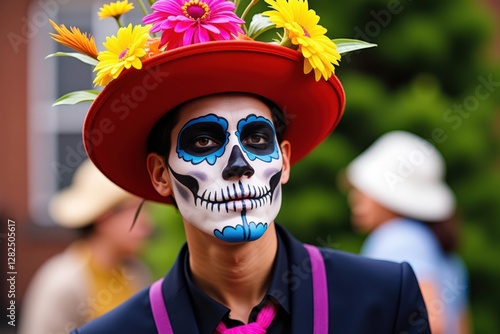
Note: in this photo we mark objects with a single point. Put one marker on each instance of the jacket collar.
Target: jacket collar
(291, 286)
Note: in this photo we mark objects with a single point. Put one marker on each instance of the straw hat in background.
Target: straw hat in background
(90, 195)
(406, 174)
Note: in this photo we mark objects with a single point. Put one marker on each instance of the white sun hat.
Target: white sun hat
(90, 195)
(404, 173)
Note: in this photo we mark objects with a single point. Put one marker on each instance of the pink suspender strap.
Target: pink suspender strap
(320, 297)
(158, 308)
(320, 290)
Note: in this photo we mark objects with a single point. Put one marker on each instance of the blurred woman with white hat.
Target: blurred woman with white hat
(400, 198)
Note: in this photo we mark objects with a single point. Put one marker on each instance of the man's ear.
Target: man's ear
(286, 152)
(158, 173)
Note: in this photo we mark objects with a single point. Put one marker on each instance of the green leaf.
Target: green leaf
(346, 45)
(258, 25)
(83, 58)
(76, 97)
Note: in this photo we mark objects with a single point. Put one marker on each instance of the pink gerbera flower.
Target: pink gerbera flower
(185, 22)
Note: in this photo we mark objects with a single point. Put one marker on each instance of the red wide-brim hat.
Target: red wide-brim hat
(118, 124)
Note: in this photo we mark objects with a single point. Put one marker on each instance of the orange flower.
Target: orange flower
(153, 47)
(74, 39)
(244, 37)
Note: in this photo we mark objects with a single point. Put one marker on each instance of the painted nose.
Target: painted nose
(237, 165)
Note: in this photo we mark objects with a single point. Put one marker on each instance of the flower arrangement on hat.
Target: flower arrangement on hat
(185, 22)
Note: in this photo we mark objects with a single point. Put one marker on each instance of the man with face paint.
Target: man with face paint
(219, 159)
(224, 167)
(216, 136)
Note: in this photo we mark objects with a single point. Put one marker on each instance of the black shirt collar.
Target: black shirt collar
(209, 312)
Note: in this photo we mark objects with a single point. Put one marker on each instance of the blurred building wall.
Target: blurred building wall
(34, 244)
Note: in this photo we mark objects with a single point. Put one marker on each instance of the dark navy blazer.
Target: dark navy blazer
(365, 296)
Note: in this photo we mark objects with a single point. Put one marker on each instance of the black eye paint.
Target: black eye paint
(258, 138)
(202, 138)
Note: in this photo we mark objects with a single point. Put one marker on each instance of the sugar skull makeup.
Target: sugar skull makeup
(225, 167)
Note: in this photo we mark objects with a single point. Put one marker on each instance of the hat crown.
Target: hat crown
(404, 173)
(407, 156)
(90, 195)
(185, 50)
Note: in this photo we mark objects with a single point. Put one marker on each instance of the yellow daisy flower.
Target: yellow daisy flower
(302, 29)
(122, 52)
(74, 39)
(115, 9)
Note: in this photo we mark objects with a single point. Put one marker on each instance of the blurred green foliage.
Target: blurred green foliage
(429, 75)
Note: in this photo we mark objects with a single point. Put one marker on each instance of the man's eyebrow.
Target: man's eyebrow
(201, 123)
(203, 127)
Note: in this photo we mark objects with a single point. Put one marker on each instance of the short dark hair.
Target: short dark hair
(159, 137)
(447, 232)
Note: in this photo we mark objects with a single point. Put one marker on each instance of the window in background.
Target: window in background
(55, 145)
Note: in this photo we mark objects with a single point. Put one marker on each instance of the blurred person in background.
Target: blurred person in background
(97, 272)
(399, 197)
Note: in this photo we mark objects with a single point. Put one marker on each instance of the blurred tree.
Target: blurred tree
(429, 75)
(161, 251)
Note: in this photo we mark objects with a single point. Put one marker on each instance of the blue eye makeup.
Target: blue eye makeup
(203, 139)
(258, 138)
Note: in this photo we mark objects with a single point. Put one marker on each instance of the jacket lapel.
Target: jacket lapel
(177, 299)
(300, 284)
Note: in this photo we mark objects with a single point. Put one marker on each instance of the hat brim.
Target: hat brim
(429, 202)
(89, 197)
(119, 121)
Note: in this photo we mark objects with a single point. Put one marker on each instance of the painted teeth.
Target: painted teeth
(257, 196)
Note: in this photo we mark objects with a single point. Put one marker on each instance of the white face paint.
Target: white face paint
(225, 166)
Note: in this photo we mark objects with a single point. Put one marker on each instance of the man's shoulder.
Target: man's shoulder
(365, 273)
(346, 269)
(376, 291)
(341, 259)
(133, 316)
